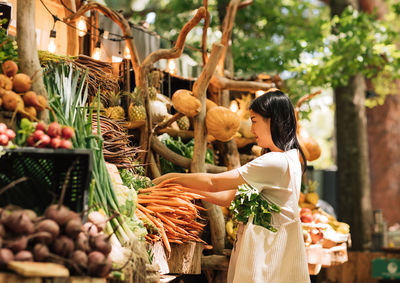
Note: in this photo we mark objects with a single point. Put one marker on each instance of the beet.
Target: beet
(9, 68)
(73, 227)
(80, 258)
(2, 231)
(3, 215)
(22, 82)
(100, 243)
(6, 256)
(90, 229)
(31, 214)
(63, 246)
(24, 256)
(82, 242)
(60, 215)
(48, 225)
(95, 261)
(41, 252)
(17, 245)
(19, 223)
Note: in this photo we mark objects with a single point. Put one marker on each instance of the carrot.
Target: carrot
(166, 220)
(165, 240)
(144, 209)
(177, 221)
(200, 207)
(176, 241)
(159, 208)
(140, 196)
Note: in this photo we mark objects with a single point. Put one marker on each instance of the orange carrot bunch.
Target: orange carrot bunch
(171, 209)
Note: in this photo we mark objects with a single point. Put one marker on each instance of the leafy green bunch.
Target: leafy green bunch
(8, 46)
(248, 201)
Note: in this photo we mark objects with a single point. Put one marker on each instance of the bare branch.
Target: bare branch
(224, 83)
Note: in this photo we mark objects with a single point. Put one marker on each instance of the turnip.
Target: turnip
(22, 82)
(24, 256)
(6, 256)
(63, 246)
(19, 223)
(67, 132)
(65, 144)
(9, 68)
(82, 242)
(5, 82)
(3, 128)
(31, 99)
(73, 227)
(97, 219)
(50, 226)
(41, 252)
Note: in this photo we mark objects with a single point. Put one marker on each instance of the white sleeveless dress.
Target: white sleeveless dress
(260, 255)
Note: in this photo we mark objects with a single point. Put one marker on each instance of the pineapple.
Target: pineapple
(152, 93)
(183, 123)
(136, 109)
(115, 111)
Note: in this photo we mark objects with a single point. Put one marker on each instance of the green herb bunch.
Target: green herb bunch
(247, 202)
(8, 46)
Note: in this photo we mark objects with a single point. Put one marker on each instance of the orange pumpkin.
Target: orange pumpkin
(310, 147)
(222, 123)
(210, 104)
(184, 102)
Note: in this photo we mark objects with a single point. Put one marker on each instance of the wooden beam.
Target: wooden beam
(224, 83)
(215, 262)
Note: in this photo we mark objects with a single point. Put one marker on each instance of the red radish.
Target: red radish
(54, 130)
(38, 134)
(10, 133)
(30, 140)
(31, 99)
(41, 126)
(3, 128)
(24, 256)
(65, 144)
(67, 132)
(4, 139)
(44, 141)
(9, 68)
(22, 82)
(55, 142)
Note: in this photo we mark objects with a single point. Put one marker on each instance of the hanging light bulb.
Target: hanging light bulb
(234, 106)
(97, 51)
(127, 53)
(81, 26)
(52, 44)
(171, 66)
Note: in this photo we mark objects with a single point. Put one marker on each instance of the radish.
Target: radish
(30, 140)
(6, 256)
(10, 133)
(67, 133)
(37, 135)
(41, 126)
(65, 144)
(9, 68)
(44, 141)
(22, 82)
(4, 139)
(54, 130)
(3, 128)
(55, 142)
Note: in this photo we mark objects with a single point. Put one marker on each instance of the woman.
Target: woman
(260, 255)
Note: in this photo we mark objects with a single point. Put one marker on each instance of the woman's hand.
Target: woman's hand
(162, 178)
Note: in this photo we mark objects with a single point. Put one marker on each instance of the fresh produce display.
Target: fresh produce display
(57, 236)
(171, 211)
(6, 135)
(115, 111)
(222, 123)
(15, 93)
(249, 202)
(8, 47)
(136, 111)
(185, 103)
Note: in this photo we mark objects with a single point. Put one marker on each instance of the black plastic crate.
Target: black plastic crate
(46, 170)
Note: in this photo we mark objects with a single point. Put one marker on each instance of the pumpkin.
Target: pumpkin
(222, 123)
(310, 147)
(184, 102)
(210, 104)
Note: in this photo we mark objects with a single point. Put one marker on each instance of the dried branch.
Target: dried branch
(204, 54)
(245, 4)
(224, 83)
(302, 100)
(168, 122)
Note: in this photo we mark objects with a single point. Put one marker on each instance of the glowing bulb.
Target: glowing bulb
(259, 93)
(172, 66)
(81, 26)
(96, 53)
(127, 53)
(52, 44)
(234, 106)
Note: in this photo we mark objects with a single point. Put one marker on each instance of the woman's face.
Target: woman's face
(261, 129)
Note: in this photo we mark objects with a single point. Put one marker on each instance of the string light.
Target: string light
(171, 68)
(259, 93)
(127, 52)
(234, 107)
(52, 44)
(81, 25)
(97, 51)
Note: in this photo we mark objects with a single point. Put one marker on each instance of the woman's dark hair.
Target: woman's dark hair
(277, 106)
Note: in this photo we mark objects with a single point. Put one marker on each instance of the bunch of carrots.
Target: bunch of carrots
(171, 209)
